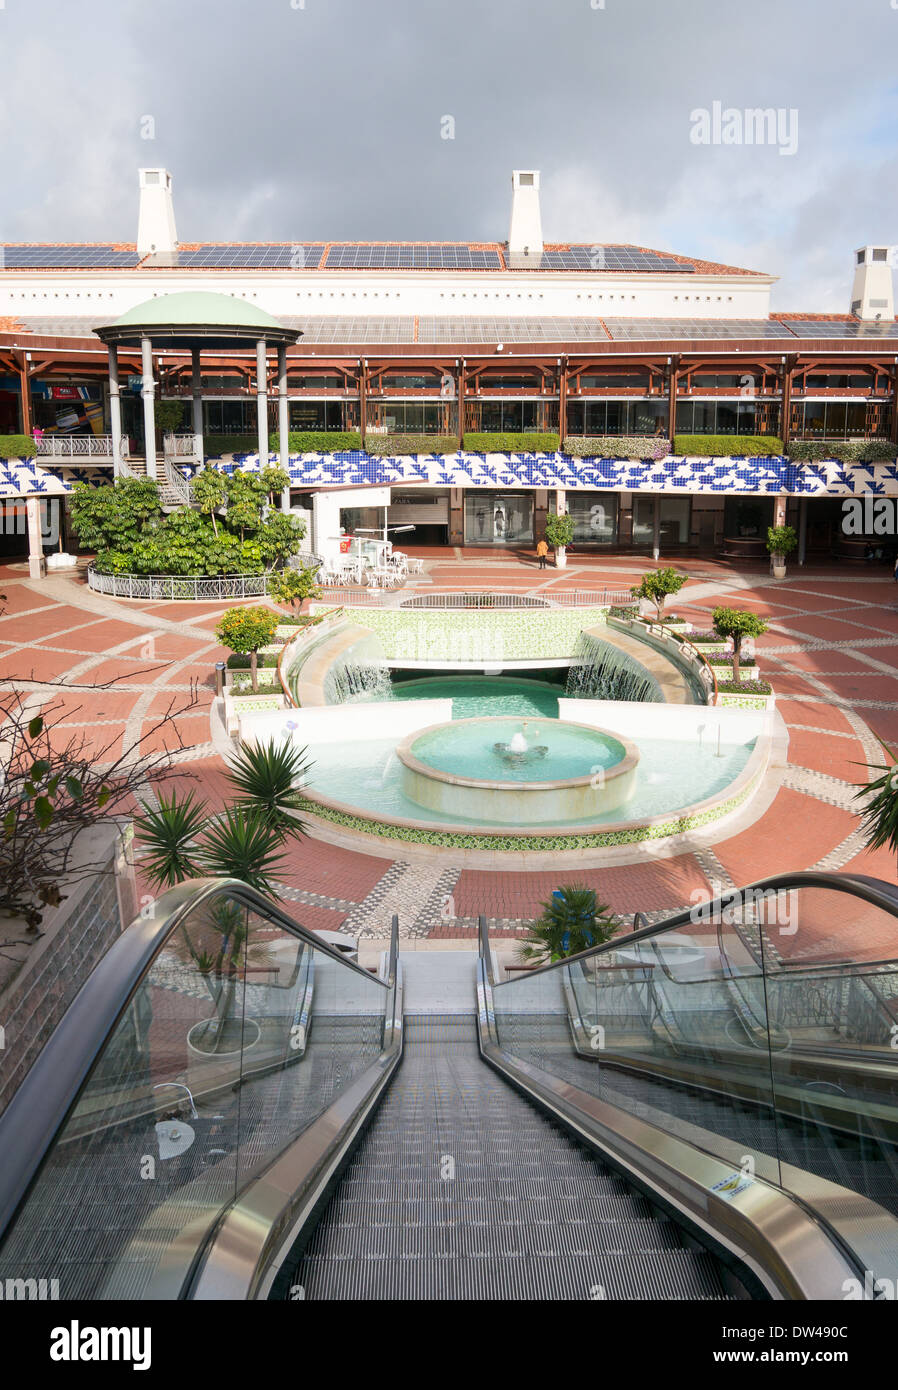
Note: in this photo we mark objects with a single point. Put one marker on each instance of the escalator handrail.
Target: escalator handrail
(872, 890)
(53, 1085)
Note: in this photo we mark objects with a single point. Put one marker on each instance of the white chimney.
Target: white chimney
(156, 224)
(525, 239)
(872, 296)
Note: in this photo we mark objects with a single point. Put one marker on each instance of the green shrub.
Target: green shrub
(217, 445)
(846, 451)
(17, 446)
(390, 445)
(726, 445)
(320, 441)
(744, 688)
(559, 530)
(612, 447)
(241, 662)
(512, 443)
(781, 540)
(116, 515)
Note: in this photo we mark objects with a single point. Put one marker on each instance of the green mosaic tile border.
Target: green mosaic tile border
(449, 839)
(510, 634)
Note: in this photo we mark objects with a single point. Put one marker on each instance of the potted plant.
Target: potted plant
(781, 541)
(559, 534)
(656, 585)
(571, 921)
(736, 625)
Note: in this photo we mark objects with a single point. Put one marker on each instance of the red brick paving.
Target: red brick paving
(793, 834)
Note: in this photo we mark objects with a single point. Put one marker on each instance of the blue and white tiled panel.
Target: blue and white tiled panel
(690, 475)
(19, 477)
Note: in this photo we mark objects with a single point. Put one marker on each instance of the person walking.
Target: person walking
(542, 552)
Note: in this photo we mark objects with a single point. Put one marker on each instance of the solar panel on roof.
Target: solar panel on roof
(632, 329)
(292, 255)
(66, 257)
(611, 258)
(808, 328)
(412, 256)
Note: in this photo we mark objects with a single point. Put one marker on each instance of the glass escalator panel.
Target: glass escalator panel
(238, 1036)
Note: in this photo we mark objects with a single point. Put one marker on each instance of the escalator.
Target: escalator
(232, 1110)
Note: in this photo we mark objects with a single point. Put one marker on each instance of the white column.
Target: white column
(196, 386)
(262, 400)
(283, 422)
(115, 412)
(36, 565)
(148, 392)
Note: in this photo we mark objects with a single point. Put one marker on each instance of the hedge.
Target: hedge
(744, 688)
(17, 446)
(512, 443)
(616, 447)
(726, 445)
(242, 663)
(846, 451)
(321, 441)
(214, 445)
(388, 445)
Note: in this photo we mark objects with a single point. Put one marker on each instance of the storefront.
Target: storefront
(498, 518)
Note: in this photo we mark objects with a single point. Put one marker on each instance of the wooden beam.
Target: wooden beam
(672, 400)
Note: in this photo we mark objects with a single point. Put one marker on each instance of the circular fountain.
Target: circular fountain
(513, 771)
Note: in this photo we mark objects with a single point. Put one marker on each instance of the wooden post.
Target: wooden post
(672, 400)
(562, 404)
(786, 422)
(363, 397)
(25, 380)
(461, 405)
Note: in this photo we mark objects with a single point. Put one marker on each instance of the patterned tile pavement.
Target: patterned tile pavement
(831, 650)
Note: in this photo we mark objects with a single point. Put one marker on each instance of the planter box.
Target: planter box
(749, 673)
(745, 701)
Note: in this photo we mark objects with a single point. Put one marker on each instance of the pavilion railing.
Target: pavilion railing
(176, 586)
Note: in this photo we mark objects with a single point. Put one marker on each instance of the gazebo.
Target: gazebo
(192, 322)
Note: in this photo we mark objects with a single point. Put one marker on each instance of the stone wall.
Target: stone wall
(74, 937)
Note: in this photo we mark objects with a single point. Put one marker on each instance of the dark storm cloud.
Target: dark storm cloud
(281, 120)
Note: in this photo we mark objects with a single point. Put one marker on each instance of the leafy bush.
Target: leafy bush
(781, 540)
(389, 445)
(745, 687)
(559, 530)
(485, 443)
(727, 445)
(846, 451)
(279, 537)
(239, 661)
(217, 445)
(293, 586)
(116, 515)
(612, 447)
(169, 415)
(724, 659)
(17, 446)
(320, 441)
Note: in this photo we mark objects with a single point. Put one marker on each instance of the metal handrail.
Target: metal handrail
(57, 1079)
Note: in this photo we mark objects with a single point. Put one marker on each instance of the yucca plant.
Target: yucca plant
(571, 921)
(268, 778)
(168, 836)
(879, 818)
(242, 844)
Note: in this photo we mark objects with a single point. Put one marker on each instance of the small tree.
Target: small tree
(781, 541)
(246, 497)
(571, 921)
(656, 585)
(210, 491)
(559, 529)
(244, 631)
(292, 587)
(880, 813)
(169, 415)
(737, 625)
(279, 537)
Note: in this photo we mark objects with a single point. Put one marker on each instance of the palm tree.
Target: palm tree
(879, 817)
(571, 921)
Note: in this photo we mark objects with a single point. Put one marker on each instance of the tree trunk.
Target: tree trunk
(737, 645)
(254, 672)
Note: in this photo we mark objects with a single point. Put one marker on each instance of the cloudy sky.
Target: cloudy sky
(309, 119)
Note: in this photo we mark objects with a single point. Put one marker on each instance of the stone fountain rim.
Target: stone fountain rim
(624, 765)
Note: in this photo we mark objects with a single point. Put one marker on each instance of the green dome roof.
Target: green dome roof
(192, 308)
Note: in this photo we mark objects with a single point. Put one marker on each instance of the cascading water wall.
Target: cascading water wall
(602, 671)
(361, 673)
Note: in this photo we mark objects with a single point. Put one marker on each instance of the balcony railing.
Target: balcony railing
(80, 446)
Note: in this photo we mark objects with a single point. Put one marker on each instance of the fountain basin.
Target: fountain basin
(528, 772)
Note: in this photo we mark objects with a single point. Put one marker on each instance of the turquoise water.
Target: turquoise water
(671, 774)
(469, 750)
(484, 695)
